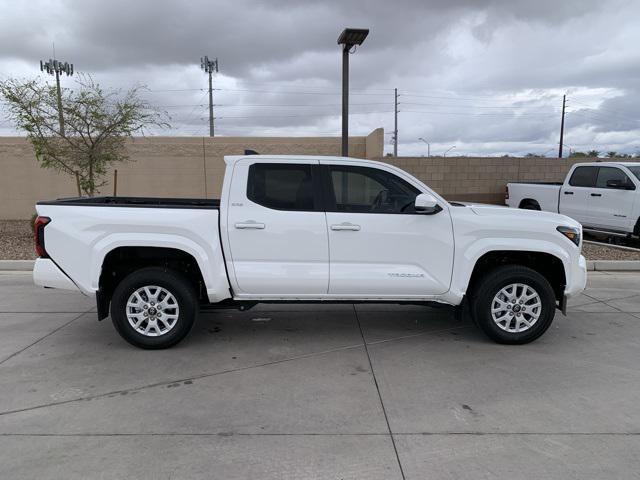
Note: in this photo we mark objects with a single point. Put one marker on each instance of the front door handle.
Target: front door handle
(596, 194)
(568, 193)
(250, 224)
(345, 226)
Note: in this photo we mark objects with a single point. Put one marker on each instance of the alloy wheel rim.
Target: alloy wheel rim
(152, 311)
(516, 308)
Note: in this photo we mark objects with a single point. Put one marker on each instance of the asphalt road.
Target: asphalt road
(320, 392)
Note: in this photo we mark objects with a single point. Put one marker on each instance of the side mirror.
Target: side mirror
(427, 204)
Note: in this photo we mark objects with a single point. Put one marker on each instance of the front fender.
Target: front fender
(468, 258)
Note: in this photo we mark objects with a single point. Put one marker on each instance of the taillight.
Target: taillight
(38, 230)
(506, 192)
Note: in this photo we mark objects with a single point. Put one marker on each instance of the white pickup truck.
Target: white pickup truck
(603, 196)
(308, 229)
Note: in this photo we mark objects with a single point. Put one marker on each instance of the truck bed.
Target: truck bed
(140, 202)
(540, 183)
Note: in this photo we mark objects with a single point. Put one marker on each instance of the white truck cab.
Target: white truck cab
(308, 229)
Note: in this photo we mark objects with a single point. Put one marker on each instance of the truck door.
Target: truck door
(612, 200)
(379, 245)
(575, 195)
(277, 229)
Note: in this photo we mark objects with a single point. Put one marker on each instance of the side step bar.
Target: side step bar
(606, 232)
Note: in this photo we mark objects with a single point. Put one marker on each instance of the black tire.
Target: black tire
(174, 283)
(492, 283)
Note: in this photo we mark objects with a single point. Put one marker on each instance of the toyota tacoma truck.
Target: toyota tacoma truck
(603, 196)
(308, 229)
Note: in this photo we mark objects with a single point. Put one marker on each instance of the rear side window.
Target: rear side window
(281, 186)
(584, 177)
(605, 174)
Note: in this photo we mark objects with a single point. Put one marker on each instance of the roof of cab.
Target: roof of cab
(232, 159)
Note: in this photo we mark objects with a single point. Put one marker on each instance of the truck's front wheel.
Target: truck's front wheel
(153, 308)
(513, 304)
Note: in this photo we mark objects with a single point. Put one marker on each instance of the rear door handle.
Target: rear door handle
(568, 193)
(250, 224)
(345, 226)
(596, 194)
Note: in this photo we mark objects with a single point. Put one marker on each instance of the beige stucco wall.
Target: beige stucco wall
(482, 179)
(159, 166)
(194, 167)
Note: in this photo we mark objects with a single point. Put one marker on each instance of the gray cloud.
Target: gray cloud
(491, 73)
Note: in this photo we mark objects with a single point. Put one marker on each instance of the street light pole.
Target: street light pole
(349, 38)
(445, 153)
(428, 146)
(345, 100)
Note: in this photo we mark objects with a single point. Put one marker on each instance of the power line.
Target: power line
(602, 111)
(302, 115)
(287, 105)
(467, 114)
(474, 106)
(282, 92)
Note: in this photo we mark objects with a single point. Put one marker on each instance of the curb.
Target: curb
(613, 265)
(17, 265)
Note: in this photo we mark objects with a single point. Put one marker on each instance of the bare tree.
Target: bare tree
(97, 124)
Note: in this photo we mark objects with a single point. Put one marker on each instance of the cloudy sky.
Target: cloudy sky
(484, 76)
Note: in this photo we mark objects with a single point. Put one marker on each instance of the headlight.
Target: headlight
(572, 233)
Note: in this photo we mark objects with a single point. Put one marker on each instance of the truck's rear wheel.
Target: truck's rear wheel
(153, 308)
(513, 304)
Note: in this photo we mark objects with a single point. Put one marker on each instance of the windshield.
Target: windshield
(635, 171)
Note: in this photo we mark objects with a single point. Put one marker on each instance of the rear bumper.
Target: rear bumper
(47, 274)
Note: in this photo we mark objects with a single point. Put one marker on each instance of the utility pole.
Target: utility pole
(564, 100)
(395, 128)
(210, 66)
(54, 67)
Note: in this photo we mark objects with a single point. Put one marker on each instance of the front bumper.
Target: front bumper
(578, 278)
(47, 274)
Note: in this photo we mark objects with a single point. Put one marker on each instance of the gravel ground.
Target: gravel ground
(16, 240)
(603, 252)
(16, 243)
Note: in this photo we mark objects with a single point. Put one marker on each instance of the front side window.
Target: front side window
(281, 186)
(584, 177)
(609, 176)
(635, 170)
(370, 190)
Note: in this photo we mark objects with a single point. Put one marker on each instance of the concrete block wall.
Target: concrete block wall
(158, 166)
(482, 179)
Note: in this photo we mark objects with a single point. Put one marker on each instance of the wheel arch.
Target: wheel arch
(546, 264)
(529, 202)
(122, 261)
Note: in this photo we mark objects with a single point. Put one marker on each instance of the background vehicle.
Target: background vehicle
(602, 196)
(308, 229)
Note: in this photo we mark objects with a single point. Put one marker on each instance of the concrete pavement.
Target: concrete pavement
(336, 392)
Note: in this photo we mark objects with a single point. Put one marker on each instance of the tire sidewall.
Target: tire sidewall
(500, 278)
(172, 282)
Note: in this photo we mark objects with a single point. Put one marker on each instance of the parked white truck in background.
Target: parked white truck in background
(308, 229)
(603, 196)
